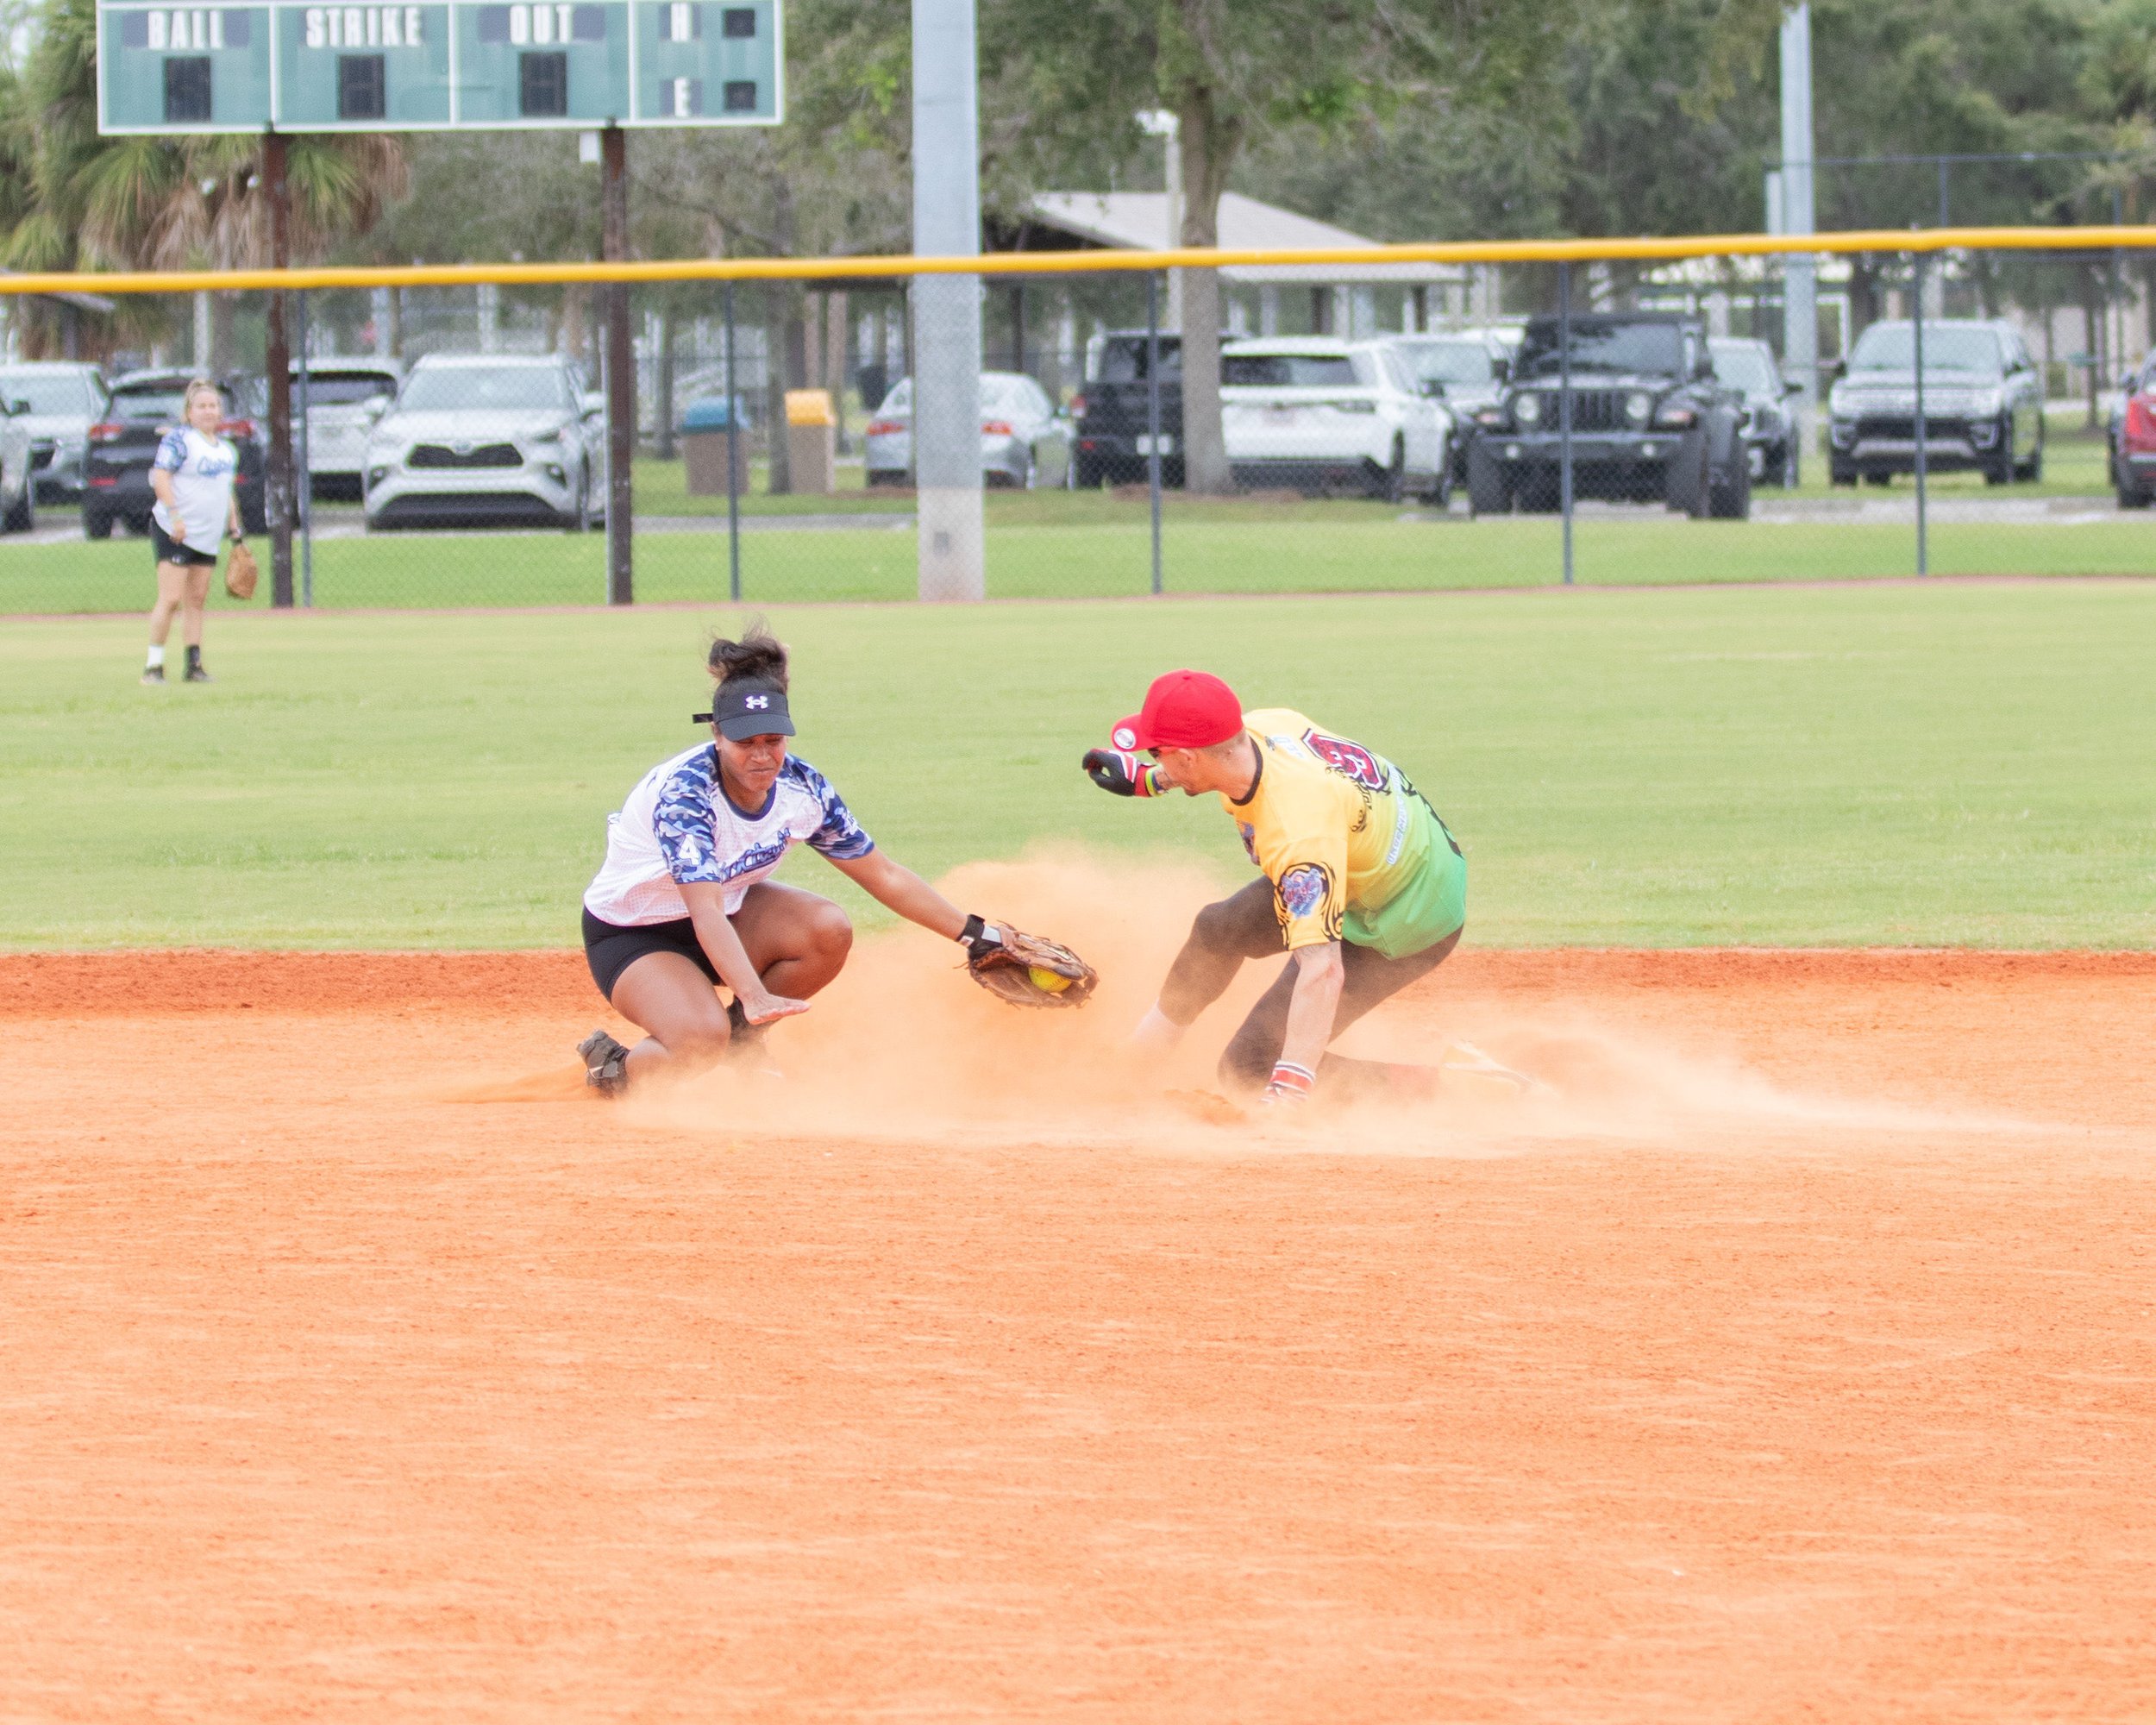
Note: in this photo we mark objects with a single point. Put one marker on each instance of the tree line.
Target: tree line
(1404, 119)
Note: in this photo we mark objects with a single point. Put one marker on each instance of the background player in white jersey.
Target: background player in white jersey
(684, 902)
(192, 476)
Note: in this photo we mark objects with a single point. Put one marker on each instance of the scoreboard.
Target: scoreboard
(458, 66)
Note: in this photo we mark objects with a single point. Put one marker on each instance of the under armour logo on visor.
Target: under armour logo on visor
(755, 703)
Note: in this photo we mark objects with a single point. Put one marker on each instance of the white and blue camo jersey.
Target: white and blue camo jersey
(677, 827)
(203, 470)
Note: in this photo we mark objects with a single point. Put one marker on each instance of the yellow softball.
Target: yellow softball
(1048, 982)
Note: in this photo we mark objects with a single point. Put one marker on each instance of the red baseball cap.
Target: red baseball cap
(1182, 710)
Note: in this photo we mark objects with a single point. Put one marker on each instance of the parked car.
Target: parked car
(1983, 403)
(143, 406)
(1649, 422)
(344, 399)
(489, 437)
(1312, 413)
(1114, 412)
(2133, 437)
(18, 475)
(66, 398)
(1025, 441)
(1748, 367)
(1466, 371)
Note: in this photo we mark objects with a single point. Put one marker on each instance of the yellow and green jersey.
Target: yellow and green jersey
(1353, 851)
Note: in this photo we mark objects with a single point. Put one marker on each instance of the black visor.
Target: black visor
(747, 707)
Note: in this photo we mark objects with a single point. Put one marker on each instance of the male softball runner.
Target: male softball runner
(1362, 884)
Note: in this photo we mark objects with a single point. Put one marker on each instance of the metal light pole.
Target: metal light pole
(1800, 277)
(1160, 123)
(952, 557)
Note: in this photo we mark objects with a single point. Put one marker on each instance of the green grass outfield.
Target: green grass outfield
(1085, 546)
(1774, 765)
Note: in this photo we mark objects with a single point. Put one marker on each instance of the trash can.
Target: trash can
(704, 442)
(811, 440)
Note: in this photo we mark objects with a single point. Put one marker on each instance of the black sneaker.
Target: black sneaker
(152, 676)
(606, 1063)
(195, 674)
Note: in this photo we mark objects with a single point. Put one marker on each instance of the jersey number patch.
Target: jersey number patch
(1350, 759)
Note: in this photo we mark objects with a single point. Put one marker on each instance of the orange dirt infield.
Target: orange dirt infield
(1793, 1362)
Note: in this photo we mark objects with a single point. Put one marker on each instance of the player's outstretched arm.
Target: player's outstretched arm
(899, 889)
(1023, 968)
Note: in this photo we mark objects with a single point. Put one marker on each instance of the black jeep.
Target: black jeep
(1650, 423)
(1113, 442)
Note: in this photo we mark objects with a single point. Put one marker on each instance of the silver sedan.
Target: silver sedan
(1024, 440)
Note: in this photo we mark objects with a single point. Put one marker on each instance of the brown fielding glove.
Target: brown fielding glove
(1027, 970)
(240, 572)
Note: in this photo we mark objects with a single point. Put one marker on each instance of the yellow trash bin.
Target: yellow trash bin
(811, 440)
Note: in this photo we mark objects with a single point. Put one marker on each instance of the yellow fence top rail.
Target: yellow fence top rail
(1671, 250)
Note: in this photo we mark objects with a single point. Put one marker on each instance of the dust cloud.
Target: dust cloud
(902, 1048)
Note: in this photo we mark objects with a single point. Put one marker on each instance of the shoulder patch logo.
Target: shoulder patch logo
(1303, 890)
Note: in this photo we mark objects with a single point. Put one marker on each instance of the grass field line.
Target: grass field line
(1044, 601)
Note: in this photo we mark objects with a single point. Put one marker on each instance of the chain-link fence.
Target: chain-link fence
(1488, 421)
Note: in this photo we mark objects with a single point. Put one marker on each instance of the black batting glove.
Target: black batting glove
(1120, 772)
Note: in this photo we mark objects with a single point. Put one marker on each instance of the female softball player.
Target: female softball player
(1362, 883)
(684, 903)
(192, 476)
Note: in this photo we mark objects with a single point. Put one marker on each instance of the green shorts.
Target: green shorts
(1431, 905)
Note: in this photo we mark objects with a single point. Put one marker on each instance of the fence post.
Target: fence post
(621, 370)
(733, 461)
(278, 502)
(1916, 297)
(1152, 412)
(1565, 409)
(306, 468)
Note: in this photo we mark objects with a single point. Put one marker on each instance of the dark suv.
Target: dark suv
(1649, 421)
(1983, 405)
(1112, 413)
(145, 405)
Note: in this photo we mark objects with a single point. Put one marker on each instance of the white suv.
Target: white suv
(1310, 413)
(488, 437)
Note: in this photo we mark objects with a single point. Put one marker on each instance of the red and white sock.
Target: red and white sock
(1290, 1083)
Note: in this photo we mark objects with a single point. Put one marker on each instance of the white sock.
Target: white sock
(156, 661)
(1156, 1032)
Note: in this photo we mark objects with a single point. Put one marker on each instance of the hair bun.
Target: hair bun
(757, 654)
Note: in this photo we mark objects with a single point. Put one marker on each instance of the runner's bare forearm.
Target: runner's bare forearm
(1318, 975)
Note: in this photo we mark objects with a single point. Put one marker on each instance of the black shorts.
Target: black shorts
(187, 557)
(611, 949)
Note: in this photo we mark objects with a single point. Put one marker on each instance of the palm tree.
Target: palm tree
(157, 203)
